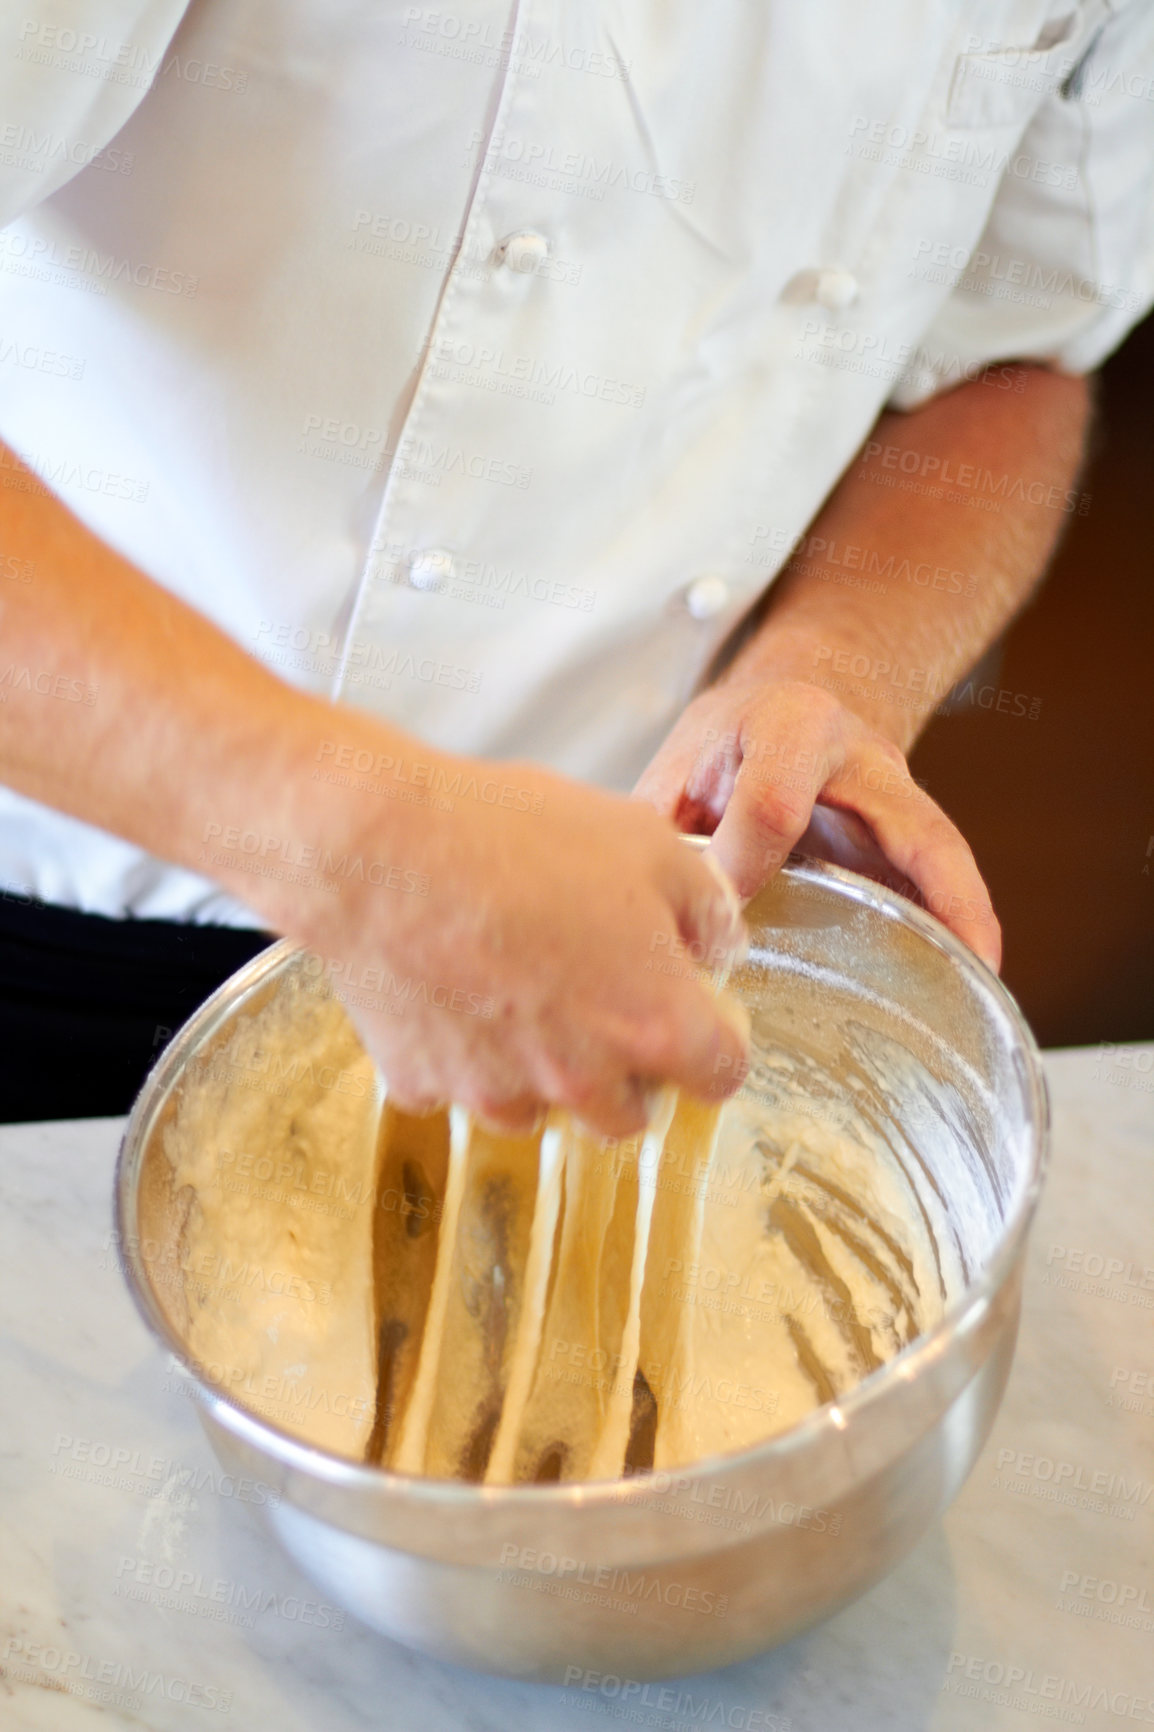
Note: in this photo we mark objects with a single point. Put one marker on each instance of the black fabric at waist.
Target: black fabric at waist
(88, 1003)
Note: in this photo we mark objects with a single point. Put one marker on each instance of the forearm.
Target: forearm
(902, 580)
(438, 919)
(124, 707)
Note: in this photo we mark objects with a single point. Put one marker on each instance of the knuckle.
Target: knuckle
(488, 1102)
(508, 1113)
(576, 1091)
(413, 1081)
(608, 1111)
(893, 761)
(681, 1036)
(776, 813)
(564, 1076)
(821, 707)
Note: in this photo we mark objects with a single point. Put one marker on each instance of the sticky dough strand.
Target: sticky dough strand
(609, 1454)
(409, 1456)
(531, 1320)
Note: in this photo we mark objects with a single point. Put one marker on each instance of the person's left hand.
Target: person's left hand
(766, 768)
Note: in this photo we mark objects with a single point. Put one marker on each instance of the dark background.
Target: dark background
(1060, 811)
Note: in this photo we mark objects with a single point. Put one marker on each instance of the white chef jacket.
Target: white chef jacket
(481, 367)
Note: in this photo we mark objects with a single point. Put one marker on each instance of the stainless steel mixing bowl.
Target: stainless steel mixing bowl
(663, 1574)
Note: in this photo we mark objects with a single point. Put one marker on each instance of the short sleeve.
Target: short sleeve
(71, 74)
(1065, 266)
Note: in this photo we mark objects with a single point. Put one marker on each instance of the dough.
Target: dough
(477, 1295)
(538, 1270)
(425, 1294)
(412, 1179)
(273, 1147)
(675, 1239)
(586, 1306)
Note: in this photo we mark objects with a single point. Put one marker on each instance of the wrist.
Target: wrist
(890, 695)
(321, 813)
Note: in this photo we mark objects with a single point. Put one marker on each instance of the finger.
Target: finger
(844, 839)
(706, 909)
(921, 842)
(770, 808)
(621, 1108)
(662, 782)
(702, 1047)
(410, 1080)
(739, 944)
(691, 776)
(522, 1117)
(418, 1103)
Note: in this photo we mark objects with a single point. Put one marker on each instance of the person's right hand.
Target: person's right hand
(497, 956)
(543, 942)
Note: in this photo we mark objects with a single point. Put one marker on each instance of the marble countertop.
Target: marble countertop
(115, 1568)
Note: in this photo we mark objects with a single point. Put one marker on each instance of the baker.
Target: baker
(426, 429)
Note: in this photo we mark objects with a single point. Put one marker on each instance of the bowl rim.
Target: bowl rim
(827, 1422)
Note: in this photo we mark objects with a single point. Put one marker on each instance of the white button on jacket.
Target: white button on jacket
(706, 597)
(523, 252)
(430, 568)
(836, 289)
(455, 363)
